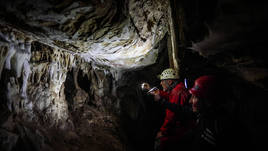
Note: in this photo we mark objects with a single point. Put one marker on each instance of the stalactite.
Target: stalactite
(173, 55)
(3, 55)
(11, 52)
(26, 73)
(176, 25)
(12, 42)
(18, 57)
(75, 75)
(26, 67)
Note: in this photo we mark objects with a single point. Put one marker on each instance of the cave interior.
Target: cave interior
(71, 70)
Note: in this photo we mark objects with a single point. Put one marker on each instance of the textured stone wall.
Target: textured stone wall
(34, 92)
(70, 70)
(118, 34)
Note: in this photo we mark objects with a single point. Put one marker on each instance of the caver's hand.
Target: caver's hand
(156, 95)
(155, 92)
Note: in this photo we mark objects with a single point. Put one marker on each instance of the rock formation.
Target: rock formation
(70, 70)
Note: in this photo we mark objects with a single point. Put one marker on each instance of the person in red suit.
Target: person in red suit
(174, 127)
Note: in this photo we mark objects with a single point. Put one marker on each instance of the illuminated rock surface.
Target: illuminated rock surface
(70, 70)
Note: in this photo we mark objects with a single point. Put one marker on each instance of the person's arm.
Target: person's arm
(164, 94)
(182, 109)
(176, 108)
(171, 106)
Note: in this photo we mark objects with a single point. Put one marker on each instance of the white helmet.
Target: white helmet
(169, 74)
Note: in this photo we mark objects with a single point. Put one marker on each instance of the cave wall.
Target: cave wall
(61, 65)
(34, 100)
(114, 33)
(53, 98)
(66, 93)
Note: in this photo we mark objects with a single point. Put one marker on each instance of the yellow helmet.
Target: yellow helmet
(169, 74)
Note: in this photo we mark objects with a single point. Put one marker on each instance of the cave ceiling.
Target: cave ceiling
(126, 34)
(117, 34)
